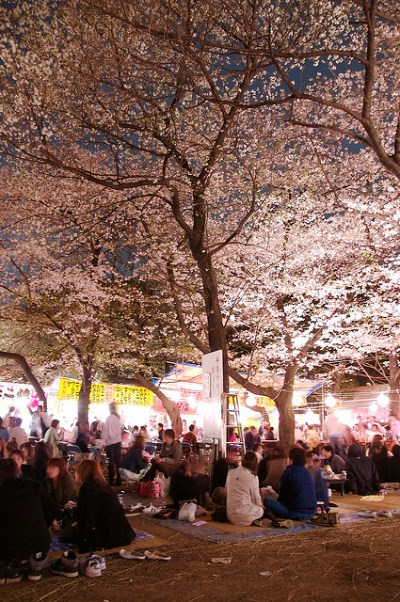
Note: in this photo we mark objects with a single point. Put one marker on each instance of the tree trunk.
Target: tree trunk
(215, 323)
(29, 375)
(84, 393)
(170, 406)
(285, 409)
(394, 375)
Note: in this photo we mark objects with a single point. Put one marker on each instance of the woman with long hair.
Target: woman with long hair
(136, 459)
(52, 439)
(40, 459)
(243, 500)
(61, 487)
(101, 522)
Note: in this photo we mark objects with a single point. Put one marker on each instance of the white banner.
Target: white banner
(212, 368)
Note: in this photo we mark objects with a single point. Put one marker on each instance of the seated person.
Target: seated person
(188, 483)
(331, 459)
(277, 463)
(362, 476)
(221, 468)
(135, 459)
(100, 519)
(378, 453)
(321, 486)
(84, 437)
(394, 465)
(61, 487)
(23, 530)
(24, 470)
(169, 459)
(243, 500)
(259, 450)
(297, 499)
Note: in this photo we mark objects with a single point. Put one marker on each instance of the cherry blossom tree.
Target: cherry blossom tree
(183, 106)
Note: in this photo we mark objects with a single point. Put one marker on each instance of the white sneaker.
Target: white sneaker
(156, 555)
(100, 559)
(92, 568)
(385, 513)
(135, 507)
(151, 510)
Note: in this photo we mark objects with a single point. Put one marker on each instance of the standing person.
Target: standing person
(18, 433)
(4, 435)
(112, 436)
(45, 420)
(52, 439)
(7, 422)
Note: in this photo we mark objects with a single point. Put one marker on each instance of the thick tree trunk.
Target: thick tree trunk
(285, 409)
(84, 394)
(215, 323)
(394, 377)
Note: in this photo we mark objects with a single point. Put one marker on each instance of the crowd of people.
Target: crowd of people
(39, 496)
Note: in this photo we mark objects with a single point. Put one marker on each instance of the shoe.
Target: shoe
(368, 514)
(135, 508)
(92, 568)
(37, 563)
(132, 554)
(385, 513)
(156, 555)
(151, 510)
(14, 572)
(67, 565)
(100, 559)
(2, 573)
(283, 524)
(262, 522)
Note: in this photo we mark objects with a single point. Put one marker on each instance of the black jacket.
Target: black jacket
(362, 476)
(101, 519)
(23, 529)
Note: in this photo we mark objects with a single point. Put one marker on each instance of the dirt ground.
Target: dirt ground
(357, 561)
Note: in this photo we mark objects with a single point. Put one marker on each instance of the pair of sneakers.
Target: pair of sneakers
(138, 555)
(12, 573)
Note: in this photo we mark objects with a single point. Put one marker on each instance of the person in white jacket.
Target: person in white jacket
(112, 436)
(243, 504)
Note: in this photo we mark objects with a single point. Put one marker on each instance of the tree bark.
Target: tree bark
(84, 394)
(29, 375)
(394, 377)
(285, 408)
(171, 407)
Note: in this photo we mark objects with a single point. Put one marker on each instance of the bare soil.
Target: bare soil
(357, 561)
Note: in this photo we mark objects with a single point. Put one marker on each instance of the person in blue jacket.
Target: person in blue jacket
(297, 499)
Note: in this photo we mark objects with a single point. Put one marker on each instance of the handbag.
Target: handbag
(187, 510)
(149, 489)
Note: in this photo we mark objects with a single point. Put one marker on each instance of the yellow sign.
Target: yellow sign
(106, 392)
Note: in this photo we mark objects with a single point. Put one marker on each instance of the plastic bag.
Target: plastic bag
(164, 484)
(187, 511)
